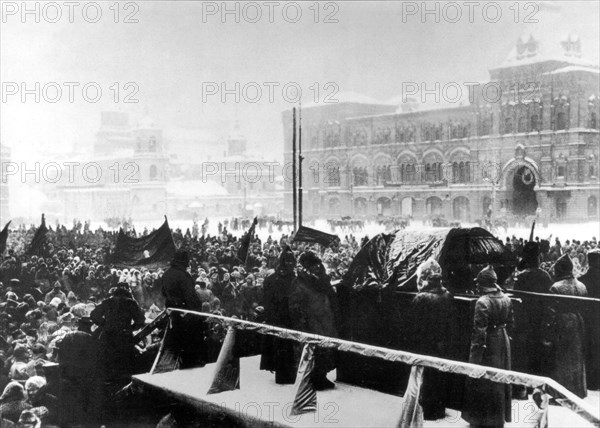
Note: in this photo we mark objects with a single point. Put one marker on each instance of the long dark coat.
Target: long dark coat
(117, 317)
(488, 403)
(567, 338)
(278, 354)
(188, 334)
(527, 349)
(313, 309)
(432, 331)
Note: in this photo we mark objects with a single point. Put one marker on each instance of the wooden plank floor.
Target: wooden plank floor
(262, 402)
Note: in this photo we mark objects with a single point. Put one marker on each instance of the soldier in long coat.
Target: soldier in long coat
(433, 317)
(564, 326)
(313, 309)
(278, 354)
(486, 403)
(591, 280)
(533, 279)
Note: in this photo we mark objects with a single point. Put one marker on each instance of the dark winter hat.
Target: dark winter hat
(563, 267)
(309, 259)
(594, 258)
(531, 250)
(181, 257)
(287, 255)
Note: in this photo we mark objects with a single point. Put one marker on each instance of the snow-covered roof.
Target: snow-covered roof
(549, 39)
(348, 97)
(574, 68)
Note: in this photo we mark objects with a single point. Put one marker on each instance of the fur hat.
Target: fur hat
(309, 259)
(287, 255)
(181, 257)
(531, 253)
(594, 258)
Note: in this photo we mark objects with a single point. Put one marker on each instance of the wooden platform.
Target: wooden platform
(261, 402)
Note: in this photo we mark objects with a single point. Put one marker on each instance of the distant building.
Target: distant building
(237, 183)
(541, 144)
(5, 158)
(125, 177)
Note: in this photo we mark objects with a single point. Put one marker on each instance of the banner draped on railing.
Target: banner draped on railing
(305, 400)
(227, 370)
(549, 386)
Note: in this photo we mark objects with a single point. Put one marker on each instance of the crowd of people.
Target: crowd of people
(67, 303)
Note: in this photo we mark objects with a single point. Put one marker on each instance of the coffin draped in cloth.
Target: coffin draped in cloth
(391, 260)
(129, 251)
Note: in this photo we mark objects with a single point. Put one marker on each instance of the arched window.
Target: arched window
(522, 123)
(461, 172)
(592, 206)
(533, 123)
(508, 125)
(561, 121)
(455, 172)
(153, 172)
(468, 172)
(486, 127)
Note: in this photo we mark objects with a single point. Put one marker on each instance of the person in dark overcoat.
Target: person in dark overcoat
(591, 279)
(188, 333)
(313, 307)
(117, 318)
(533, 279)
(278, 354)
(432, 330)
(565, 331)
(487, 403)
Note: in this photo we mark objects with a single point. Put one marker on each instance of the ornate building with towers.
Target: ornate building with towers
(126, 176)
(532, 151)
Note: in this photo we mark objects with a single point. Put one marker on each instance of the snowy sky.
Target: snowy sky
(174, 50)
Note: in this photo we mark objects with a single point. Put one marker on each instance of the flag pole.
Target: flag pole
(300, 159)
(294, 191)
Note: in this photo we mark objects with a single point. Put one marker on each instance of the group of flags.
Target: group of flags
(36, 246)
(157, 248)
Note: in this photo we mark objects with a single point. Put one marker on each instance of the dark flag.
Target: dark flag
(245, 245)
(159, 245)
(306, 234)
(3, 238)
(39, 239)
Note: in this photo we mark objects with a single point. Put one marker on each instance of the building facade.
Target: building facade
(5, 158)
(532, 150)
(125, 177)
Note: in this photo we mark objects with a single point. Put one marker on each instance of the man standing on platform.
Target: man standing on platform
(313, 308)
(278, 354)
(188, 332)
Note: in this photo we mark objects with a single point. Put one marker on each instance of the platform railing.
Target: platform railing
(545, 385)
